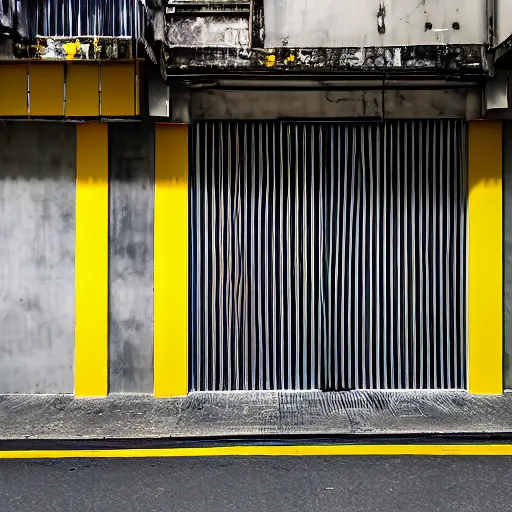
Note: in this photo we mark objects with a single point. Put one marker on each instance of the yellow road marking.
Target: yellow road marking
(272, 451)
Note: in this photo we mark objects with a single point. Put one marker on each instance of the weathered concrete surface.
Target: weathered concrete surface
(284, 104)
(261, 105)
(37, 257)
(131, 258)
(64, 417)
(253, 414)
(208, 30)
(503, 20)
(374, 23)
(507, 252)
(440, 59)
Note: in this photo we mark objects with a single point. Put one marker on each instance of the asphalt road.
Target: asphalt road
(250, 484)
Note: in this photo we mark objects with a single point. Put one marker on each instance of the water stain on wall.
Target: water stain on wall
(37, 257)
(131, 258)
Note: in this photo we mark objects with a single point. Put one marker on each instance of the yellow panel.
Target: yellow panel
(118, 89)
(13, 90)
(485, 258)
(82, 90)
(171, 261)
(91, 260)
(46, 89)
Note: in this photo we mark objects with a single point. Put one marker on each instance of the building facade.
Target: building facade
(254, 195)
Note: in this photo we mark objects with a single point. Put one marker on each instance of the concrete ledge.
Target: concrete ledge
(203, 415)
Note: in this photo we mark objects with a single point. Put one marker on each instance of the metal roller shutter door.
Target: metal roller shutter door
(328, 255)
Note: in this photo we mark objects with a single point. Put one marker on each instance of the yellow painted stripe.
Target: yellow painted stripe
(13, 90)
(82, 90)
(272, 451)
(485, 297)
(118, 89)
(46, 90)
(171, 261)
(91, 260)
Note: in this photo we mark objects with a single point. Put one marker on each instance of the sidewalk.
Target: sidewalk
(202, 415)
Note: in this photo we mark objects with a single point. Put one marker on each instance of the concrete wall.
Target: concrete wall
(507, 252)
(406, 104)
(504, 20)
(131, 168)
(37, 257)
(331, 23)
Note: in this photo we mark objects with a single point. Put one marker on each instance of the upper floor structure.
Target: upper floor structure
(226, 44)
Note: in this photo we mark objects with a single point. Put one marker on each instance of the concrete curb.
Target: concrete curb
(209, 415)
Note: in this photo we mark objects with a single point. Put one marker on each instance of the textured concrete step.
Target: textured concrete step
(253, 414)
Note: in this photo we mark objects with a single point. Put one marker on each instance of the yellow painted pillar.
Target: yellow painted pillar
(171, 261)
(91, 260)
(485, 296)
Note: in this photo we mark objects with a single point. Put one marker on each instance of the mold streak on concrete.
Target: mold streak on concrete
(398, 104)
(37, 257)
(439, 59)
(283, 104)
(131, 258)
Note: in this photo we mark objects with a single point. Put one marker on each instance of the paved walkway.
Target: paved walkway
(253, 414)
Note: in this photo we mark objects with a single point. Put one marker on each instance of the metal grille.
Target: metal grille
(74, 18)
(328, 256)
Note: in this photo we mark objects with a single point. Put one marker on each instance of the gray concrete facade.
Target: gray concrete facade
(131, 168)
(37, 257)
(343, 23)
(320, 104)
(507, 253)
